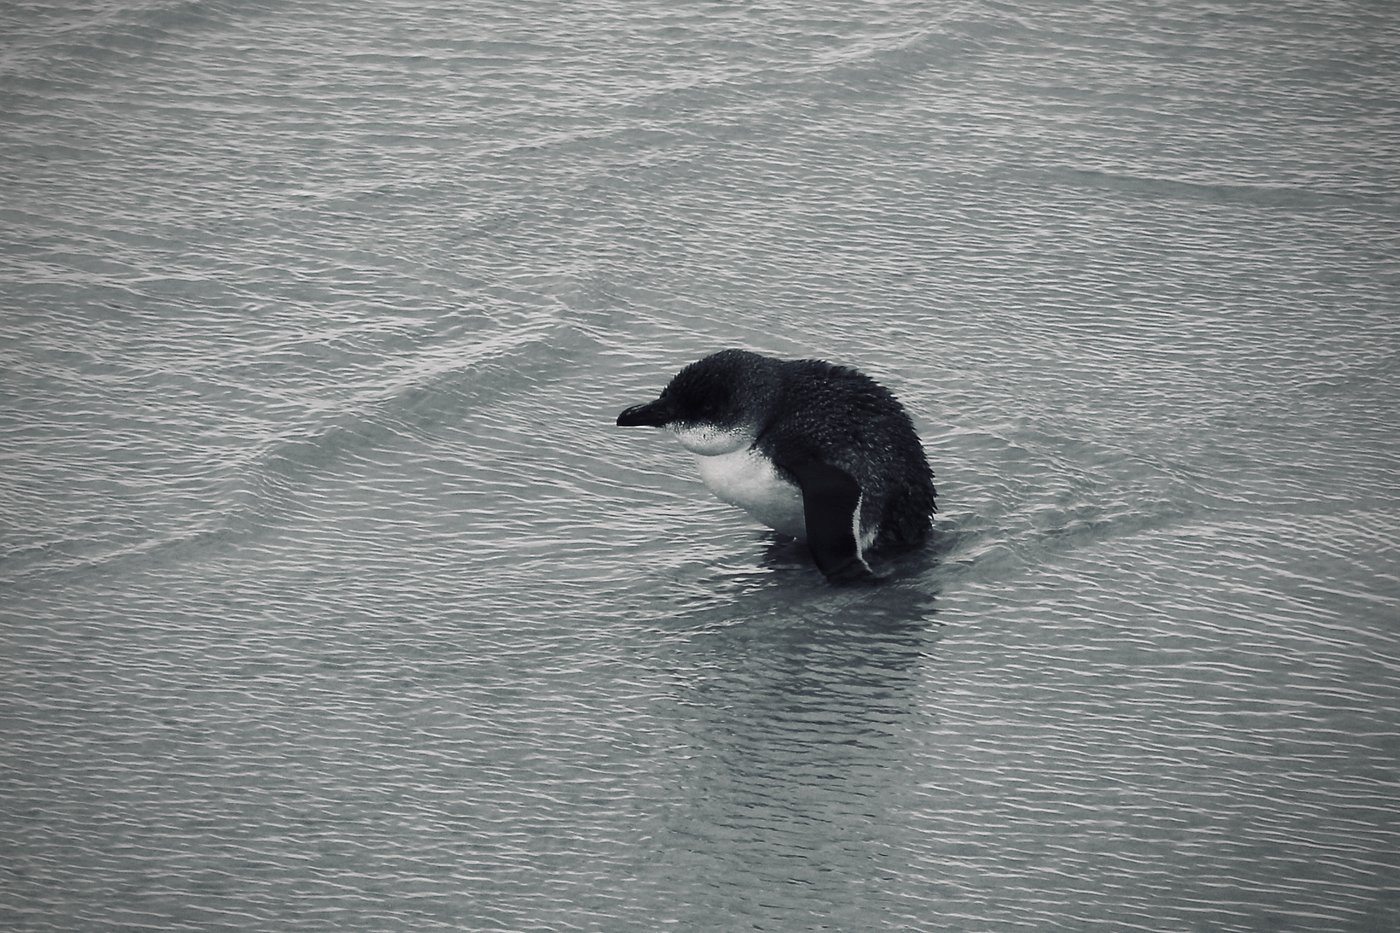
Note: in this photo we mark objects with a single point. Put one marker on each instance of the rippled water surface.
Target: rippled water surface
(332, 599)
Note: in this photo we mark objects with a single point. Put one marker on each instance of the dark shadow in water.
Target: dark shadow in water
(810, 636)
(802, 709)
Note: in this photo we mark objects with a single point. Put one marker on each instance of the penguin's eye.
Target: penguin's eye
(713, 405)
(700, 399)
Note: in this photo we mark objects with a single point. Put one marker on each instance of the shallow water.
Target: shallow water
(332, 598)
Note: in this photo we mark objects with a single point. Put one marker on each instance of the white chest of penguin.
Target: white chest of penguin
(746, 478)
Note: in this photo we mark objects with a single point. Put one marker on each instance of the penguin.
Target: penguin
(814, 450)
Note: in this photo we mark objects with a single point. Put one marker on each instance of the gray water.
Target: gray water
(332, 599)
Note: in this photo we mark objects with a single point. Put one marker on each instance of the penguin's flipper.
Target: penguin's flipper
(830, 498)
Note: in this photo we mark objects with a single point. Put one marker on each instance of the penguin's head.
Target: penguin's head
(714, 405)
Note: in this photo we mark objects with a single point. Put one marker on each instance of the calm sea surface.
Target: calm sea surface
(331, 598)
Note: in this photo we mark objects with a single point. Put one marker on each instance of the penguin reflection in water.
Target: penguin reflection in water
(820, 452)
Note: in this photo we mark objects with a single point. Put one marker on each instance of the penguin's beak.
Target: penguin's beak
(652, 415)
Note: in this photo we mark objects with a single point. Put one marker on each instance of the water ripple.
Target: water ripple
(333, 599)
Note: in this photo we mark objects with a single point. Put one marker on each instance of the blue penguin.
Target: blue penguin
(816, 451)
